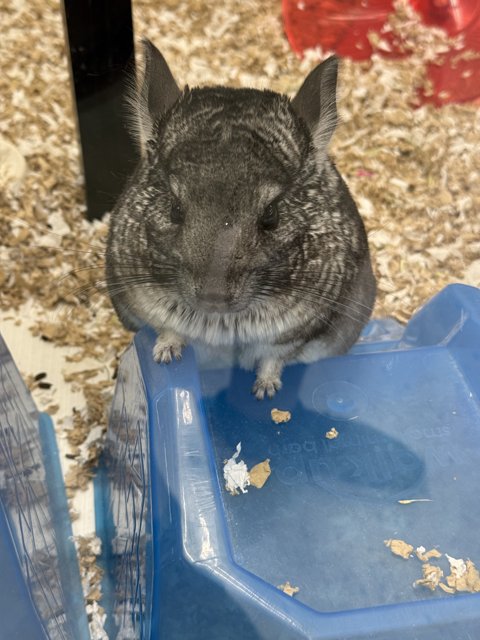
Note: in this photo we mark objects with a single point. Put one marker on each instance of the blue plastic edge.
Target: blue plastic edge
(105, 526)
(69, 568)
(101, 492)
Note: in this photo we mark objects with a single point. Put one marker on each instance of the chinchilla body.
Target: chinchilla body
(237, 228)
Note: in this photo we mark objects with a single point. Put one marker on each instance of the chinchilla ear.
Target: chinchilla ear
(316, 102)
(158, 92)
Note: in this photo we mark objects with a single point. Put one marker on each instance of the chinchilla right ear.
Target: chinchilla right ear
(158, 91)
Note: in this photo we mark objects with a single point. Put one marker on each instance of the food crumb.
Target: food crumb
(431, 577)
(279, 416)
(288, 588)
(464, 575)
(236, 474)
(399, 547)
(332, 433)
(444, 587)
(424, 555)
(238, 477)
(458, 568)
(259, 473)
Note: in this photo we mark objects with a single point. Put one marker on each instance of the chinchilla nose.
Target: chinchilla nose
(213, 291)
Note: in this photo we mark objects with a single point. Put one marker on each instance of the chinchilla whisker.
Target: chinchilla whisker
(94, 267)
(338, 333)
(360, 319)
(315, 290)
(140, 279)
(48, 250)
(127, 286)
(100, 286)
(347, 311)
(72, 273)
(102, 265)
(67, 310)
(362, 308)
(42, 228)
(153, 268)
(342, 308)
(312, 294)
(83, 291)
(75, 270)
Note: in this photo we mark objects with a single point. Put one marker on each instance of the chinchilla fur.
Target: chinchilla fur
(237, 228)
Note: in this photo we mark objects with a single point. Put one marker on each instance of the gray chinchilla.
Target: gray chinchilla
(237, 228)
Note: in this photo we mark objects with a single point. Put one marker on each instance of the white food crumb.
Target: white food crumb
(457, 566)
(236, 474)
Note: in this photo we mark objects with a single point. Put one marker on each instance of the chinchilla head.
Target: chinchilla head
(236, 207)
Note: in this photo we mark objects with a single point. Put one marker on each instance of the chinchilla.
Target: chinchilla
(237, 228)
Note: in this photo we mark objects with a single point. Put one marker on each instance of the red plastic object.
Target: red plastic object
(454, 16)
(336, 25)
(343, 25)
(455, 80)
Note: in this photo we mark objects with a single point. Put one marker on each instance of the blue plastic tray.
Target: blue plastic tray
(187, 560)
(40, 590)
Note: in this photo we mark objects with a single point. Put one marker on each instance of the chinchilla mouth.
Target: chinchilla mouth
(212, 304)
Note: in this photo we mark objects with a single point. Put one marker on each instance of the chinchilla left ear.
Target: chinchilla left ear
(316, 102)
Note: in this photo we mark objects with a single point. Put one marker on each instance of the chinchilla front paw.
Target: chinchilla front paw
(168, 347)
(269, 372)
(266, 385)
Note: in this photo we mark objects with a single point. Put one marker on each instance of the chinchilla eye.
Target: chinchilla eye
(177, 215)
(269, 218)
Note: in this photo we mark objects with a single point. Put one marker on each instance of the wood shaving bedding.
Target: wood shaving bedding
(414, 173)
(89, 548)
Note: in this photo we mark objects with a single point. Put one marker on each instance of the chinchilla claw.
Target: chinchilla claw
(268, 386)
(166, 350)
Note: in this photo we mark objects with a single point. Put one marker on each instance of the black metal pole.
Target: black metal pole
(101, 45)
